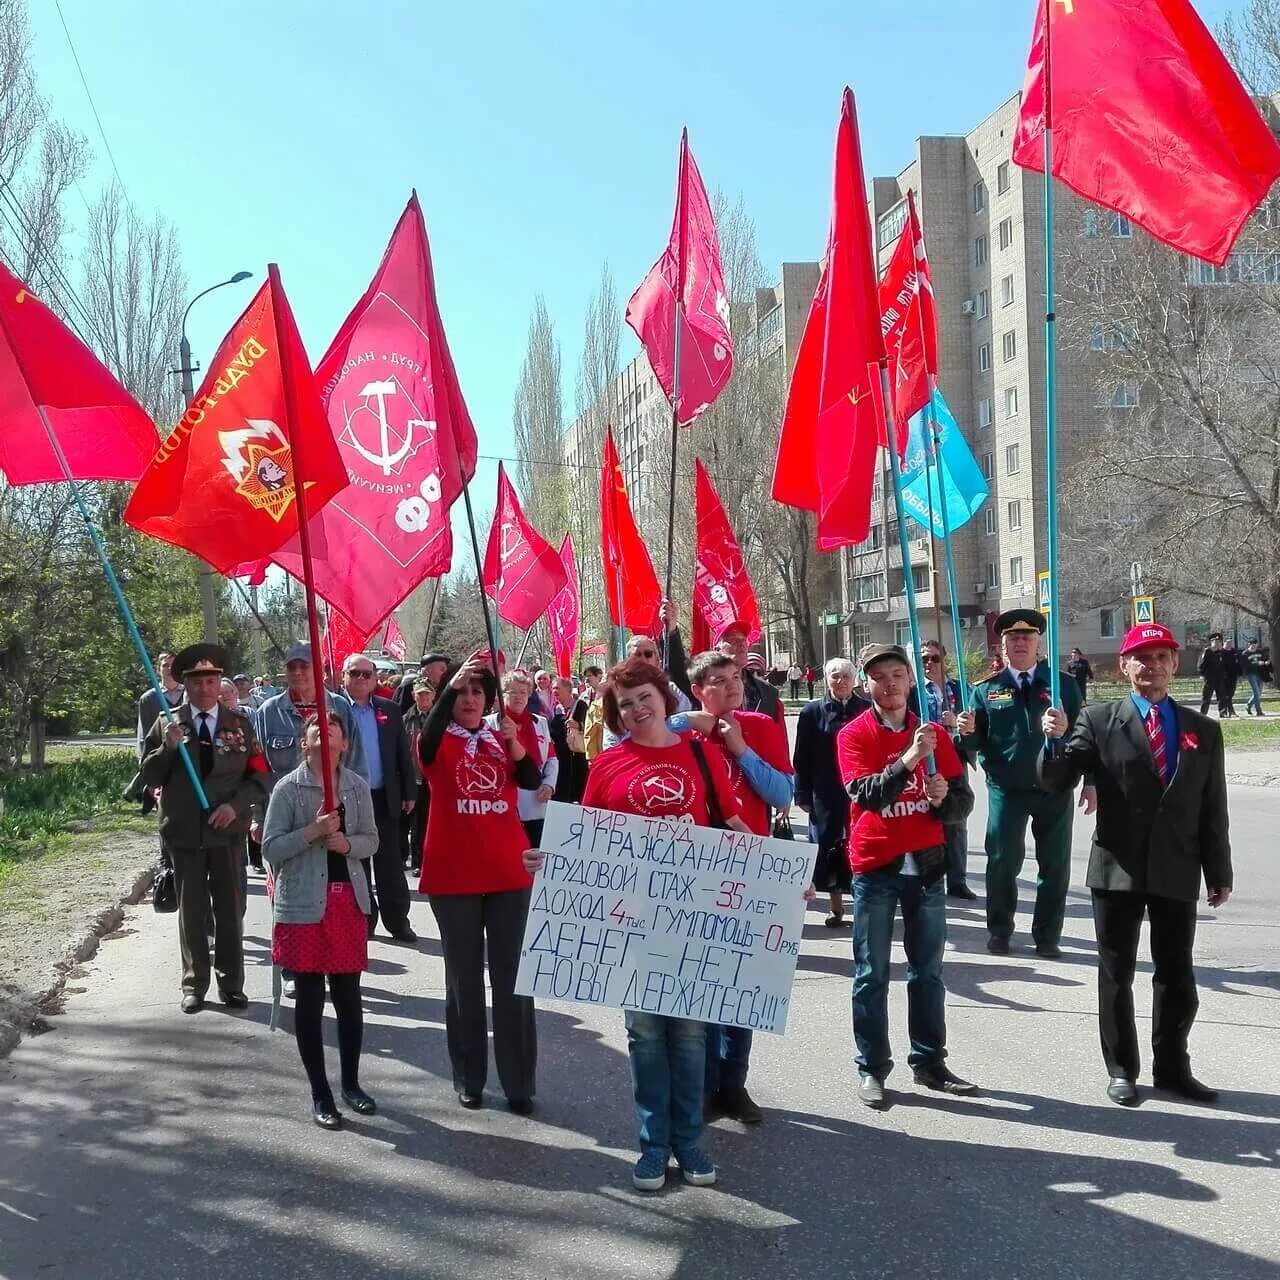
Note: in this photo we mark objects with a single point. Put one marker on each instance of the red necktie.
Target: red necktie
(1155, 731)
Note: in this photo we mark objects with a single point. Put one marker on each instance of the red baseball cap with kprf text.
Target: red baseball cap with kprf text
(1150, 635)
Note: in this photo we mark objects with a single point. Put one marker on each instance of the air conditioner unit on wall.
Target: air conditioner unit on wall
(980, 588)
(966, 307)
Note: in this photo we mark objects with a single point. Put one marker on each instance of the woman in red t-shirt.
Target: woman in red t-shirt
(476, 876)
(654, 772)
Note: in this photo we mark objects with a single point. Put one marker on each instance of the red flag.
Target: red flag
(722, 591)
(565, 612)
(627, 567)
(342, 638)
(522, 570)
(395, 407)
(105, 434)
(393, 642)
(1148, 119)
(834, 414)
(700, 632)
(686, 285)
(909, 322)
(222, 484)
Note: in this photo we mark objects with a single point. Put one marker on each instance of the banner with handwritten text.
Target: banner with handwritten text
(665, 917)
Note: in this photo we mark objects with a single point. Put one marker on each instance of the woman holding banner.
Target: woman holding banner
(657, 773)
(477, 874)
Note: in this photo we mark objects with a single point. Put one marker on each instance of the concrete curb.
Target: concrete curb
(28, 1018)
(1253, 780)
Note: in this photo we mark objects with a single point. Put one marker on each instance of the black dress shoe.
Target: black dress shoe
(1049, 950)
(472, 1101)
(521, 1106)
(234, 999)
(371, 931)
(359, 1102)
(962, 891)
(998, 946)
(942, 1080)
(326, 1114)
(739, 1105)
(191, 1003)
(1122, 1091)
(1186, 1086)
(712, 1106)
(404, 934)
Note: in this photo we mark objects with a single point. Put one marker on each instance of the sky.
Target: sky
(542, 139)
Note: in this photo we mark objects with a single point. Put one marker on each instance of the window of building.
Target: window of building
(1006, 291)
(989, 521)
(861, 636)
(1015, 571)
(1006, 233)
(1119, 226)
(984, 357)
(1002, 178)
(984, 412)
(979, 196)
(1012, 459)
(1009, 346)
(988, 465)
(877, 488)
(902, 634)
(1011, 402)
(980, 251)
(920, 578)
(983, 306)
(874, 541)
(1107, 623)
(1015, 514)
(1098, 338)
(1125, 396)
(1092, 224)
(889, 227)
(993, 574)
(868, 586)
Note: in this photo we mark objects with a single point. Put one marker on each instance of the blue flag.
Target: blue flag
(962, 481)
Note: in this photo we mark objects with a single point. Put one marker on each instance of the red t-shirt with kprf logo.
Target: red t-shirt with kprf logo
(658, 782)
(865, 746)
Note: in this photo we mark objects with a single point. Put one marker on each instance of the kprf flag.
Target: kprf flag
(834, 418)
(224, 482)
(393, 642)
(522, 570)
(957, 478)
(1148, 118)
(685, 287)
(722, 590)
(909, 322)
(395, 408)
(630, 584)
(564, 614)
(342, 638)
(104, 433)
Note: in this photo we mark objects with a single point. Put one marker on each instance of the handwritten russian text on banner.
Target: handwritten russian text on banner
(665, 917)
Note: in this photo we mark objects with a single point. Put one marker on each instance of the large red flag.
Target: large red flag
(722, 591)
(628, 571)
(222, 483)
(395, 407)
(1148, 119)
(909, 322)
(522, 570)
(103, 432)
(342, 638)
(834, 419)
(565, 612)
(686, 287)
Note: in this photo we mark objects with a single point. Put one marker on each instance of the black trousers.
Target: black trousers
(1117, 920)
(418, 826)
(391, 900)
(472, 924)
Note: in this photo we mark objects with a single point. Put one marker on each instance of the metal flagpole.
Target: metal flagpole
(952, 595)
(253, 609)
(929, 466)
(489, 629)
(895, 463)
(431, 613)
(524, 644)
(1050, 369)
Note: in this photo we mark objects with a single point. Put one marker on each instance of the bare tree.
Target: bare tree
(1251, 40)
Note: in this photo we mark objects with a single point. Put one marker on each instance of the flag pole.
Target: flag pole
(952, 595)
(489, 629)
(895, 463)
(431, 613)
(304, 545)
(1050, 370)
(622, 618)
(681, 254)
(930, 462)
(524, 644)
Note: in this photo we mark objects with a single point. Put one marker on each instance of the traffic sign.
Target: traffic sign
(1144, 610)
(831, 619)
(1042, 582)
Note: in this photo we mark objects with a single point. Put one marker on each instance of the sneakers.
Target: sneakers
(871, 1092)
(289, 990)
(696, 1167)
(650, 1173)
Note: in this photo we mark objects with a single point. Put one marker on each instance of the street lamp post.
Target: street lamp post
(208, 594)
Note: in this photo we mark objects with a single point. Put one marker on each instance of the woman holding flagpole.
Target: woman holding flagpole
(476, 873)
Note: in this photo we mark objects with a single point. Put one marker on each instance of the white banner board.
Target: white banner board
(665, 917)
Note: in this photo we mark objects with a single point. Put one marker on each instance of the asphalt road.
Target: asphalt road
(137, 1142)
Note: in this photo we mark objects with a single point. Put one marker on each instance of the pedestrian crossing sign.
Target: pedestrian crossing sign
(1042, 584)
(1144, 610)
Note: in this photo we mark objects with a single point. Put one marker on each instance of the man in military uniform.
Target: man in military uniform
(207, 847)
(1003, 726)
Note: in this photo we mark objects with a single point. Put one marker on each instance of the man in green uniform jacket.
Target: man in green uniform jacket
(1003, 726)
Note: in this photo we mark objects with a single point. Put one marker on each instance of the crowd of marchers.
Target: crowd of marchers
(447, 773)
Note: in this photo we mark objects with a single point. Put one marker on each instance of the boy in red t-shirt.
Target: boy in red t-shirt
(898, 855)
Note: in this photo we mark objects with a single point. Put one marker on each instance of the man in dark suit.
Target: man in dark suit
(1162, 828)
(379, 726)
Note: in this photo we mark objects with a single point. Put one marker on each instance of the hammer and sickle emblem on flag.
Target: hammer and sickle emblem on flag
(856, 396)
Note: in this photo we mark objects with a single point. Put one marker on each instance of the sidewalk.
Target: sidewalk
(1253, 768)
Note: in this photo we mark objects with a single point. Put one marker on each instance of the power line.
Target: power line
(93, 106)
(595, 467)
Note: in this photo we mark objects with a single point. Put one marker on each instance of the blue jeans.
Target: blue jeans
(876, 897)
(728, 1056)
(1255, 697)
(667, 1063)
